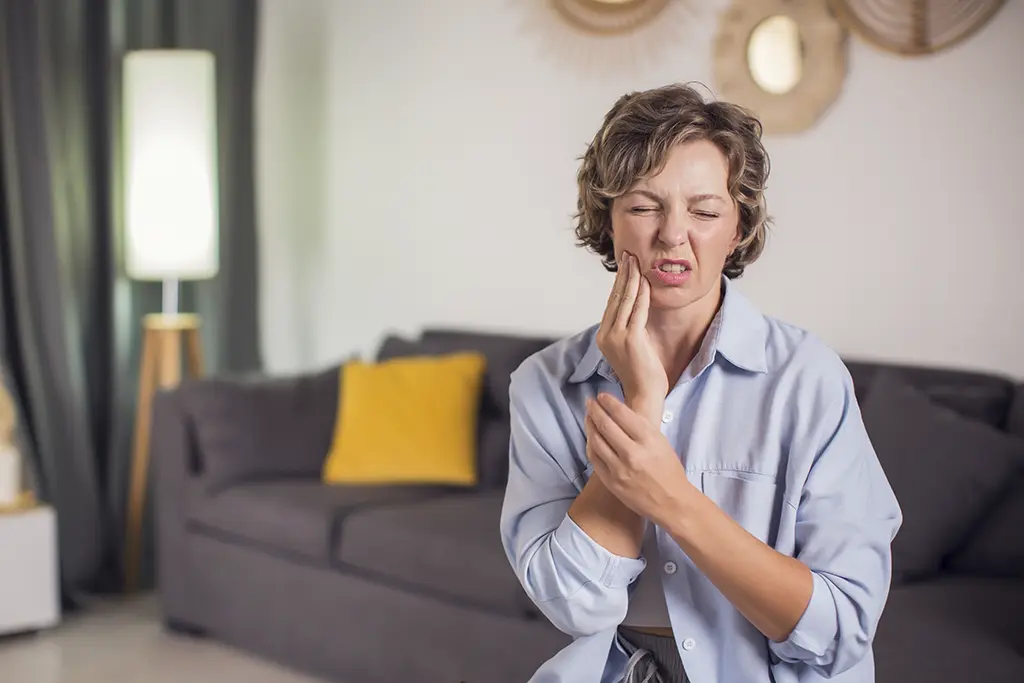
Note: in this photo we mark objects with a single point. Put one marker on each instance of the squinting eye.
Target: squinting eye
(706, 215)
(643, 209)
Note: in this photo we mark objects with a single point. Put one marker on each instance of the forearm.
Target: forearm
(607, 521)
(604, 517)
(770, 589)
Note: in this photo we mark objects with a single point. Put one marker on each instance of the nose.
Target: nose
(673, 230)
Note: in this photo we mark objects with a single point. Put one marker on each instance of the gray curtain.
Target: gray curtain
(69, 318)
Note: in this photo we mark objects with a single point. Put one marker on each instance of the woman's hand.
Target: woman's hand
(634, 460)
(623, 339)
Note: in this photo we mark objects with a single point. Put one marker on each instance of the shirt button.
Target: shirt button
(689, 644)
(670, 567)
(667, 416)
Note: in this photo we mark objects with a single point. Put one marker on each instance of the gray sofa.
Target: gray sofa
(386, 584)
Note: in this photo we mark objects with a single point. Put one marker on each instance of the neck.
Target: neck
(677, 333)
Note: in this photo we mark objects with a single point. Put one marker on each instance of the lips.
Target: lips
(672, 265)
(671, 272)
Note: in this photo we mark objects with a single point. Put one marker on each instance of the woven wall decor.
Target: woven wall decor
(607, 36)
(915, 27)
(783, 59)
(608, 16)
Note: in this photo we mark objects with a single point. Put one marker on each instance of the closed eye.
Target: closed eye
(643, 209)
(705, 215)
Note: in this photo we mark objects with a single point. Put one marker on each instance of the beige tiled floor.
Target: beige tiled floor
(123, 640)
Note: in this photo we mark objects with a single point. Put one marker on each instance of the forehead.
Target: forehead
(693, 166)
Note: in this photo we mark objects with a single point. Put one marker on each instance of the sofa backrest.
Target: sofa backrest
(1015, 416)
(976, 395)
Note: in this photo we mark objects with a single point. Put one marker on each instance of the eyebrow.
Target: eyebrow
(692, 199)
(698, 198)
(647, 193)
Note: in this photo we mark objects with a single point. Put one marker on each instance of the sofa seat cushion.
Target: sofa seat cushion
(449, 546)
(293, 517)
(952, 629)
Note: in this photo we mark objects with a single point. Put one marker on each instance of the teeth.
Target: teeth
(672, 268)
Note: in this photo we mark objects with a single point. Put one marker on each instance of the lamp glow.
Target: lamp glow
(170, 144)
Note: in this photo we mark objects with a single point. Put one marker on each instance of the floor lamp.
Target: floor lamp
(171, 229)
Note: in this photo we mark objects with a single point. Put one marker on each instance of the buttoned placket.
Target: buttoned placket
(673, 571)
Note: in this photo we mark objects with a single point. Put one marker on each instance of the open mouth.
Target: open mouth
(671, 272)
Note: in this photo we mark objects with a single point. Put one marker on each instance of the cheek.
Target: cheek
(716, 242)
(628, 232)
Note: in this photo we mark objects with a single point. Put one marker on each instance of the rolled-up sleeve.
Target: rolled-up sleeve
(579, 585)
(846, 519)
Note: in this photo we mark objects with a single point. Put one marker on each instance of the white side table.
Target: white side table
(29, 586)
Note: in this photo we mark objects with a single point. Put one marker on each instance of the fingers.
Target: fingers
(599, 451)
(611, 310)
(607, 428)
(638, 321)
(630, 292)
(617, 421)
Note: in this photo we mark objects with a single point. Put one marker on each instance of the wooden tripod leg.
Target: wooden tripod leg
(169, 366)
(140, 457)
(194, 352)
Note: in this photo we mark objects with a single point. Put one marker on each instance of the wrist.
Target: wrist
(678, 515)
(648, 406)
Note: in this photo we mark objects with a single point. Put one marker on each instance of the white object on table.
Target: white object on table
(29, 587)
(10, 476)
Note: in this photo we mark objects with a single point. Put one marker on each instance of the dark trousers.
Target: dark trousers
(654, 659)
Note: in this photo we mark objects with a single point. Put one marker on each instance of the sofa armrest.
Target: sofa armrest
(261, 427)
(175, 489)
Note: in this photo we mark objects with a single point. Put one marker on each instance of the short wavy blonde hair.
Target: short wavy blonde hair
(633, 144)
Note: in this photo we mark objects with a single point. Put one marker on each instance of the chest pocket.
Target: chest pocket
(747, 497)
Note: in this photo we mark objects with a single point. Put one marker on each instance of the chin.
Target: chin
(672, 297)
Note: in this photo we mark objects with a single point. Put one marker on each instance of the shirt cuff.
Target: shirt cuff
(596, 562)
(815, 633)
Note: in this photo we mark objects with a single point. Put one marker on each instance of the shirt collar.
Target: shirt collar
(738, 332)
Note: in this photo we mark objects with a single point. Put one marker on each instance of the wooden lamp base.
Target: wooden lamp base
(164, 335)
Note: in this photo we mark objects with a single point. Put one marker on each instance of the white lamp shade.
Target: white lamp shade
(170, 145)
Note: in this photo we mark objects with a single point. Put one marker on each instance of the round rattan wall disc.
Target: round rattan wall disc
(914, 27)
(609, 16)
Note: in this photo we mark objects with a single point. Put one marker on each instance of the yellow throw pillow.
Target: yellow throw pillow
(408, 420)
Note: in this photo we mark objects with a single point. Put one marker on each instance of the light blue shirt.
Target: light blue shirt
(766, 424)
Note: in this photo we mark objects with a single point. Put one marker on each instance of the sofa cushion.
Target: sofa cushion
(293, 517)
(976, 395)
(263, 427)
(946, 471)
(1015, 417)
(996, 546)
(448, 546)
(493, 432)
(409, 420)
(952, 629)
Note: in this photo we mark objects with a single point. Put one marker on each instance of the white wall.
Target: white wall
(417, 167)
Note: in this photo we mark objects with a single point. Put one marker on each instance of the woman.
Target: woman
(692, 494)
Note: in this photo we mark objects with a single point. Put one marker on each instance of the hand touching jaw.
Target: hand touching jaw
(624, 340)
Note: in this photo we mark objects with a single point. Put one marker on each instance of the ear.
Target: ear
(737, 237)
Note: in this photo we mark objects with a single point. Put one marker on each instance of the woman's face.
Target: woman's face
(681, 224)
